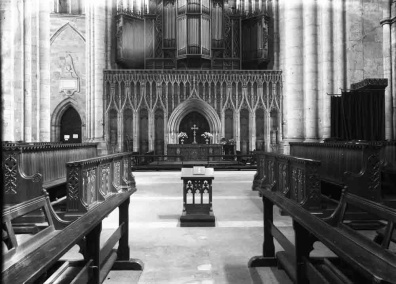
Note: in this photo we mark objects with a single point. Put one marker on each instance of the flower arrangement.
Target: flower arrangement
(207, 135)
(231, 141)
(182, 135)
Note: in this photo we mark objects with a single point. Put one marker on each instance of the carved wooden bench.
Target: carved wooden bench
(355, 165)
(362, 260)
(37, 258)
(296, 178)
(28, 168)
(93, 180)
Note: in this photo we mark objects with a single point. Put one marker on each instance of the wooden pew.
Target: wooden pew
(27, 168)
(355, 165)
(362, 260)
(296, 178)
(37, 258)
(93, 180)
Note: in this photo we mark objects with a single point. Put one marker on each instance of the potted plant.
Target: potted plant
(207, 136)
(182, 136)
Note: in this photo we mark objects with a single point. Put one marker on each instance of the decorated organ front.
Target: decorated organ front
(193, 34)
(208, 59)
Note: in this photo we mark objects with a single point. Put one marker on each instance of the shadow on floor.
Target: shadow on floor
(268, 275)
(169, 216)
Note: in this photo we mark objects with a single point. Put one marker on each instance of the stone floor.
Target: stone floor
(220, 254)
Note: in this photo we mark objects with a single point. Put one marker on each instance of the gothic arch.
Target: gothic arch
(63, 28)
(194, 104)
(57, 116)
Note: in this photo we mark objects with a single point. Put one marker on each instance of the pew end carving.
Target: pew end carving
(30, 167)
(15, 179)
(366, 183)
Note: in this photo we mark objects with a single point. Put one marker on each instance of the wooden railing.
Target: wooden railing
(28, 168)
(93, 180)
(296, 178)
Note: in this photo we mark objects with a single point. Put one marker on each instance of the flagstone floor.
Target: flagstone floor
(174, 254)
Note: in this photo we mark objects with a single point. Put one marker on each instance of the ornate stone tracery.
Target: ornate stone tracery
(177, 93)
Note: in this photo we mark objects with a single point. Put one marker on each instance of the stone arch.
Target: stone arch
(190, 105)
(63, 28)
(57, 116)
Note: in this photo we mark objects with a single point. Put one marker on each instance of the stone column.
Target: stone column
(310, 70)
(44, 67)
(267, 115)
(7, 33)
(293, 75)
(252, 129)
(222, 123)
(267, 130)
(166, 133)
(88, 72)
(393, 79)
(99, 42)
(151, 130)
(28, 71)
(96, 28)
(387, 55)
(339, 46)
(327, 68)
(136, 135)
(120, 132)
(237, 123)
(275, 11)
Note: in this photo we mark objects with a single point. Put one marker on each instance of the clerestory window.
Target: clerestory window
(73, 7)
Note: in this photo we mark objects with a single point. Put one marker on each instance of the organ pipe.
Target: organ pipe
(195, 27)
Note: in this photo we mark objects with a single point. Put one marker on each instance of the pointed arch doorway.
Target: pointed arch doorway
(188, 122)
(190, 106)
(70, 126)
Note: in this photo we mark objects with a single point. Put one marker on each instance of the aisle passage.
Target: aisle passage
(172, 254)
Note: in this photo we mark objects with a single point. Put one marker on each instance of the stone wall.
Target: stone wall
(324, 46)
(364, 40)
(68, 68)
(25, 70)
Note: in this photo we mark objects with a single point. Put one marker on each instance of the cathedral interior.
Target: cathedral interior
(125, 74)
(139, 77)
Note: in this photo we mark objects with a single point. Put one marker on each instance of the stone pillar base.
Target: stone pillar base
(102, 147)
(286, 144)
(311, 140)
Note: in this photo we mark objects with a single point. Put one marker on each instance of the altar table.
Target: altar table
(195, 152)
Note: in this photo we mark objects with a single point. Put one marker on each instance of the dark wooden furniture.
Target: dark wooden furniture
(357, 165)
(28, 168)
(194, 152)
(197, 197)
(361, 260)
(93, 180)
(296, 178)
(37, 258)
(229, 151)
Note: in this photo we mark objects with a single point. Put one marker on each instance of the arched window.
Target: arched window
(73, 7)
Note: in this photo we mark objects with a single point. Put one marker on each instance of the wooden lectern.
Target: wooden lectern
(197, 197)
